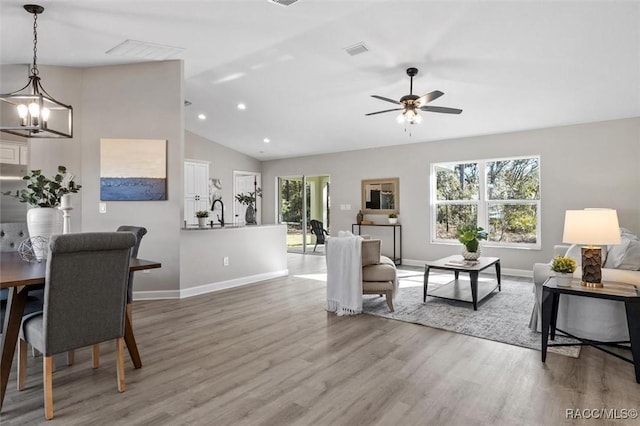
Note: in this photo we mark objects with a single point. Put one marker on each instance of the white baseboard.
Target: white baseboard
(207, 288)
(504, 271)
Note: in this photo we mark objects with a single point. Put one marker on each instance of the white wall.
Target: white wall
(589, 165)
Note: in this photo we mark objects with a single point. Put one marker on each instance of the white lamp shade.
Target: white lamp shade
(591, 226)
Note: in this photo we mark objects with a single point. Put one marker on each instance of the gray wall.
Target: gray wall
(143, 101)
(223, 162)
(589, 165)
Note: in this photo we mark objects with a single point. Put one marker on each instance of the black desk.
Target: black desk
(627, 293)
(397, 259)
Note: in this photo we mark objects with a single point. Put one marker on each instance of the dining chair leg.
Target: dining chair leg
(47, 371)
(95, 355)
(22, 363)
(120, 363)
(71, 357)
(130, 312)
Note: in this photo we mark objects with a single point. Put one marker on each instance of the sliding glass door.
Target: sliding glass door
(300, 200)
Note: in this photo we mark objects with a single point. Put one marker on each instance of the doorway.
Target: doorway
(300, 200)
(246, 183)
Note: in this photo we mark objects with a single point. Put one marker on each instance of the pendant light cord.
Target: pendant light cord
(34, 69)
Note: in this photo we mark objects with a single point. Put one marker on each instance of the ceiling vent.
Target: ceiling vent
(356, 49)
(145, 50)
(283, 2)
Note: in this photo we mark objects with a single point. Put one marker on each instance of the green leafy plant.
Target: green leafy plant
(470, 236)
(564, 265)
(393, 216)
(249, 198)
(44, 192)
(202, 213)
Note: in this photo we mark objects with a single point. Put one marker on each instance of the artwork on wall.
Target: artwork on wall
(133, 169)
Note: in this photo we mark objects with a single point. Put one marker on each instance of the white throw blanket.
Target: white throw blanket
(344, 274)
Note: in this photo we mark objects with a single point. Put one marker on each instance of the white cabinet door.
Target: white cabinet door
(196, 190)
(9, 153)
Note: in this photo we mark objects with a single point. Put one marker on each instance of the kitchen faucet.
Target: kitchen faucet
(213, 205)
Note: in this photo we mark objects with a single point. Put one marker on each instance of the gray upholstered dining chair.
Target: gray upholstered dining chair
(139, 232)
(84, 302)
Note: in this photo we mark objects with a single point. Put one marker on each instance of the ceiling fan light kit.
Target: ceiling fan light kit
(410, 104)
(31, 112)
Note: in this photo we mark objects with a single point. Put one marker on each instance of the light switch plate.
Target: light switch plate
(102, 207)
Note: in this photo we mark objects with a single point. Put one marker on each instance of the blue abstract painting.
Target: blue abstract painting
(133, 169)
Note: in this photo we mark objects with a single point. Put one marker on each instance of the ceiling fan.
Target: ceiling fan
(412, 103)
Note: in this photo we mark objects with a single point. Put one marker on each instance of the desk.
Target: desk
(17, 275)
(627, 293)
(397, 259)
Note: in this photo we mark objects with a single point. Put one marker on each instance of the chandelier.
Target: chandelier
(31, 112)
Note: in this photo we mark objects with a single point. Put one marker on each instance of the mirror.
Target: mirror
(380, 196)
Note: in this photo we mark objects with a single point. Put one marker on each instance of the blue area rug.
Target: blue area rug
(503, 316)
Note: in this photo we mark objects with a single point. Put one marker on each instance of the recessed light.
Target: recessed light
(202, 116)
(242, 106)
(266, 140)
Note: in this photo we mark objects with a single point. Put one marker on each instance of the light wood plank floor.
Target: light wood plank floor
(269, 354)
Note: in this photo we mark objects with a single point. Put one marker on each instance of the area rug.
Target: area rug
(502, 316)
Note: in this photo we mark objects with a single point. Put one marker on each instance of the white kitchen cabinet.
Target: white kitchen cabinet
(196, 189)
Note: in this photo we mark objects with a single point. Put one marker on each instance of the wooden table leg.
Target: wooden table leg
(633, 321)
(426, 283)
(130, 340)
(473, 275)
(10, 330)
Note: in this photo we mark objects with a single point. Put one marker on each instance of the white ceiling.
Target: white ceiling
(509, 65)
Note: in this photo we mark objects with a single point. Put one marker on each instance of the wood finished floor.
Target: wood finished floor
(269, 354)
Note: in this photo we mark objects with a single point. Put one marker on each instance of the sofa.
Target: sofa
(595, 319)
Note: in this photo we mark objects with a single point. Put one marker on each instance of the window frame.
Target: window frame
(482, 203)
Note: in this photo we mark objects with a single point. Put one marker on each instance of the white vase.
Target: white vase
(202, 222)
(393, 220)
(43, 222)
(470, 255)
(563, 280)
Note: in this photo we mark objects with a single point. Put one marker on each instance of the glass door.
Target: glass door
(300, 200)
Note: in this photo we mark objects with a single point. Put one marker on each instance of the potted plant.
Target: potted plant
(202, 216)
(470, 236)
(393, 218)
(563, 268)
(44, 195)
(249, 199)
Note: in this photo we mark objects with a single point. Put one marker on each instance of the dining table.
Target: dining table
(18, 275)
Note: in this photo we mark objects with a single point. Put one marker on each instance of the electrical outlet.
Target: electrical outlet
(225, 261)
(102, 207)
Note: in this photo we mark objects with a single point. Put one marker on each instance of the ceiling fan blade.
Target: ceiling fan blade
(429, 97)
(382, 98)
(386, 110)
(444, 110)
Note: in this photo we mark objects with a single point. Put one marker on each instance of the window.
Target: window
(501, 195)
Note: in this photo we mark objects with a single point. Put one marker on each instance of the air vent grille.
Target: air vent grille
(145, 50)
(356, 49)
(283, 2)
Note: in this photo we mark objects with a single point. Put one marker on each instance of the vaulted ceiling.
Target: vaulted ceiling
(509, 65)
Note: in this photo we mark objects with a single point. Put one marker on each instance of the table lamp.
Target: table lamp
(591, 227)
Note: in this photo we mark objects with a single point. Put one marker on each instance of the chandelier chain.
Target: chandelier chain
(34, 69)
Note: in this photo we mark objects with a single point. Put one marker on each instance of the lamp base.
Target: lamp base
(591, 267)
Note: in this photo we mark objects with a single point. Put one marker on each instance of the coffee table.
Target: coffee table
(455, 290)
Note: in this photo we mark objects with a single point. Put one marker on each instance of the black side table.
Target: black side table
(627, 293)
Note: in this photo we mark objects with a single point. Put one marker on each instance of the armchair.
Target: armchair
(378, 272)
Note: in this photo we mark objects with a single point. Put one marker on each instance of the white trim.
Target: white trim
(503, 271)
(207, 288)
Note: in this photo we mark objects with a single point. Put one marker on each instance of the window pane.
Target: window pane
(457, 181)
(452, 216)
(513, 179)
(512, 223)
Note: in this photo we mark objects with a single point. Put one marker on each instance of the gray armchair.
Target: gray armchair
(85, 296)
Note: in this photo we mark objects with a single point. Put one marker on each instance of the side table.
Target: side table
(627, 293)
